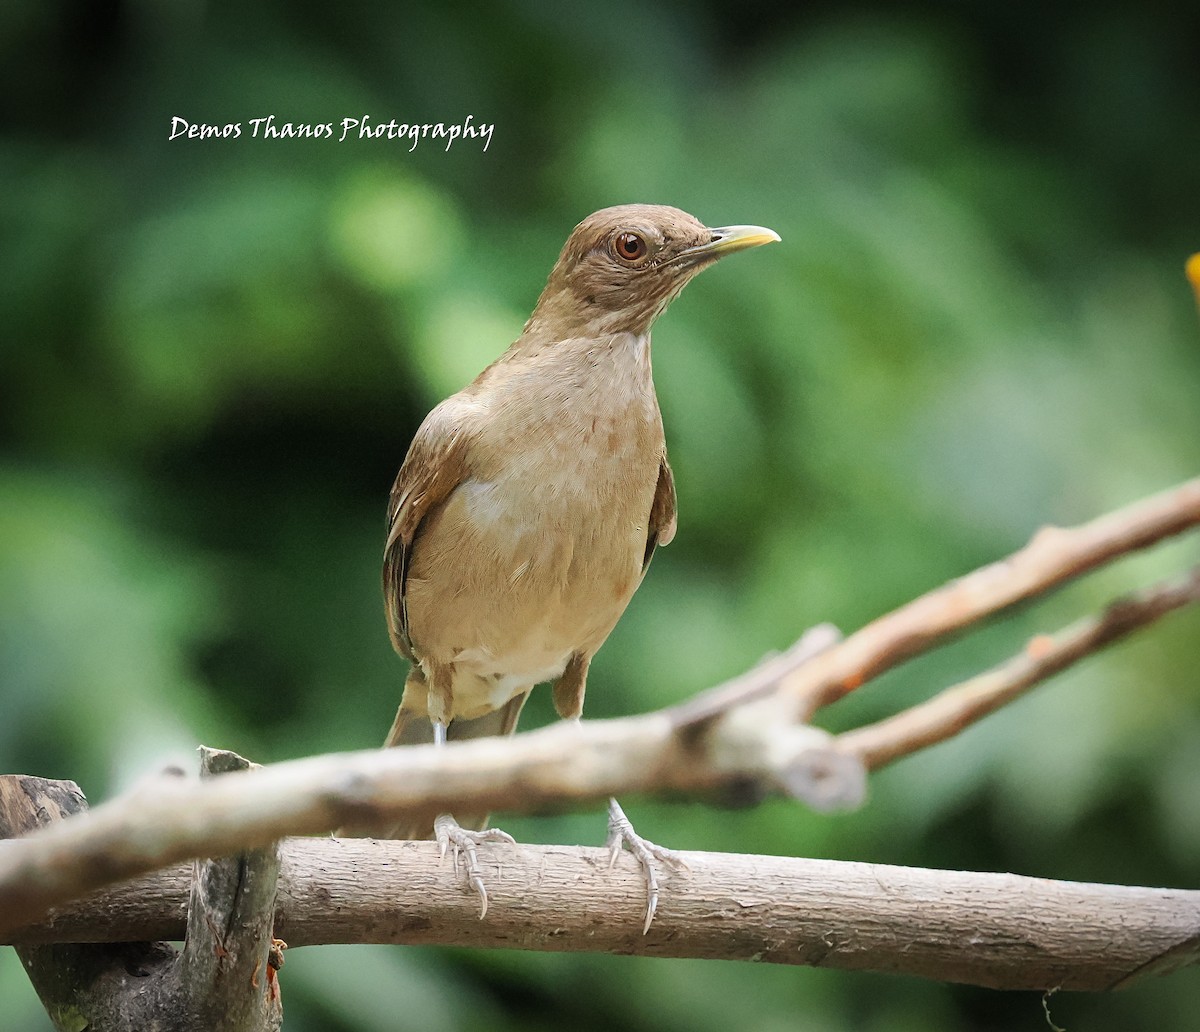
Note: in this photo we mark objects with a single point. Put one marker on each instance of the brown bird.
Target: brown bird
(530, 503)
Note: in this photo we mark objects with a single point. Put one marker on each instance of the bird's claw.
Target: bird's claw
(459, 841)
(621, 833)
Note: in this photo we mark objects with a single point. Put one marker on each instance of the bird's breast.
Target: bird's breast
(536, 555)
(575, 439)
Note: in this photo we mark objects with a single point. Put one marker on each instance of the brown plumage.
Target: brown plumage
(531, 502)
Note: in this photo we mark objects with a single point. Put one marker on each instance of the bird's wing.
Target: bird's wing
(663, 512)
(437, 462)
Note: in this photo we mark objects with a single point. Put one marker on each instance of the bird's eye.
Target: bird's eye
(630, 247)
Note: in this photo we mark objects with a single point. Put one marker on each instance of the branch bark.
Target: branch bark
(734, 740)
(225, 979)
(84, 983)
(112, 982)
(994, 930)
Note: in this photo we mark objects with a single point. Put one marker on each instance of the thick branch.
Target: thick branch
(994, 930)
(746, 752)
(117, 982)
(103, 983)
(174, 820)
(947, 713)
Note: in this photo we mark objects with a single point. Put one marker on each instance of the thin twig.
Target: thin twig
(953, 709)
(1053, 556)
(760, 680)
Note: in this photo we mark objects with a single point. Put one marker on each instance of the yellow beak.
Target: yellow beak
(725, 240)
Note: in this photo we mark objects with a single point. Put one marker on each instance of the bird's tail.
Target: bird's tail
(412, 726)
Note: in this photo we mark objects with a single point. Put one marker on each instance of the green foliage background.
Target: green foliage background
(213, 355)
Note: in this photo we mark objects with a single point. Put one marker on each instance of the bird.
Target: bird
(530, 503)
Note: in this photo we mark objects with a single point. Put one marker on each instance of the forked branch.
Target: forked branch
(739, 739)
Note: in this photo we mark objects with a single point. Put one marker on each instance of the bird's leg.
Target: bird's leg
(569, 690)
(621, 833)
(459, 841)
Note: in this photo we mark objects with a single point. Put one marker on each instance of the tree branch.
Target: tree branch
(954, 709)
(995, 930)
(220, 980)
(224, 975)
(172, 820)
(1053, 556)
(80, 981)
(735, 740)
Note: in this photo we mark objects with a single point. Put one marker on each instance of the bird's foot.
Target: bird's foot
(459, 841)
(621, 833)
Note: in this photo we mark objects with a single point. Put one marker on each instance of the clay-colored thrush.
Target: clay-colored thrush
(530, 503)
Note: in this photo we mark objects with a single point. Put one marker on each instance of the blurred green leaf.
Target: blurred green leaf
(216, 352)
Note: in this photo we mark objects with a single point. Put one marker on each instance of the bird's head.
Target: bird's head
(622, 266)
